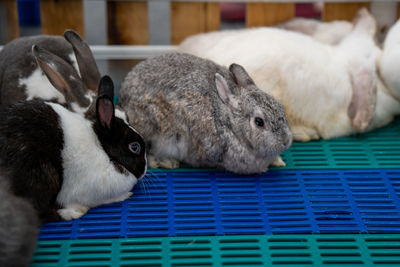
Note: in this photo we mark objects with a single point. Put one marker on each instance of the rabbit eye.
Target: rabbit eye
(134, 147)
(259, 122)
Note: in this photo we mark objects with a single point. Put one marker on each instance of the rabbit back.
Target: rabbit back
(160, 92)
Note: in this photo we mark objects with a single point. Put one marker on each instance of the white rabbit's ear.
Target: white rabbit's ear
(365, 22)
(363, 101)
(241, 76)
(224, 91)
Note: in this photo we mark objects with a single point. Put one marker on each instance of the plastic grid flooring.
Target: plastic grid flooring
(281, 250)
(194, 210)
(276, 202)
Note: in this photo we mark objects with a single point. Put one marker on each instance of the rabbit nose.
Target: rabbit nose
(287, 142)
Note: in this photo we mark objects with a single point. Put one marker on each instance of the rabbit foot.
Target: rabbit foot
(278, 162)
(169, 164)
(119, 199)
(163, 163)
(304, 134)
(72, 212)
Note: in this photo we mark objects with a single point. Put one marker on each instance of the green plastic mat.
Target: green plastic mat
(373, 150)
(250, 250)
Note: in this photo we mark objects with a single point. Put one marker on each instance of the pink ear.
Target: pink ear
(363, 102)
(105, 110)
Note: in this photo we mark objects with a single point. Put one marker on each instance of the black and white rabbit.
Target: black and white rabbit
(64, 163)
(23, 74)
(18, 230)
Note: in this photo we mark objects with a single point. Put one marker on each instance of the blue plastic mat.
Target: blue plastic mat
(277, 202)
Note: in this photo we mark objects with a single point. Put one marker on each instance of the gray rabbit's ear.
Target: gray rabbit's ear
(241, 76)
(86, 62)
(61, 75)
(224, 92)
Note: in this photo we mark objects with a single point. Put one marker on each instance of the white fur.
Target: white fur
(90, 178)
(90, 95)
(326, 32)
(75, 63)
(311, 79)
(122, 115)
(38, 86)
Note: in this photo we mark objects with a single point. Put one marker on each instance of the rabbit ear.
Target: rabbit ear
(86, 62)
(365, 22)
(363, 102)
(224, 91)
(61, 75)
(241, 76)
(104, 103)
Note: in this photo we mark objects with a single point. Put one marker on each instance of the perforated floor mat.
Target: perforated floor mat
(277, 202)
(254, 250)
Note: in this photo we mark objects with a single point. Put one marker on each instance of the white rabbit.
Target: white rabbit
(328, 91)
(332, 32)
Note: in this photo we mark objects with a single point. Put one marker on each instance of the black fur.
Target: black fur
(115, 143)
(31, 142)
(18, 230)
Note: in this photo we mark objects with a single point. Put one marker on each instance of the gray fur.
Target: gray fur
(51, 54)
(173, 99)
(18, 230)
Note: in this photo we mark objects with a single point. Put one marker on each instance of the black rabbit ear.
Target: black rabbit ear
(104, 103)
(86, 62)
(241, 76)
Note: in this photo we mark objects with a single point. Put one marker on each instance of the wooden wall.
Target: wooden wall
(268, 14)
(11, 28)
(188, 18)
(342, 11)
(57, 16)
(127, 21)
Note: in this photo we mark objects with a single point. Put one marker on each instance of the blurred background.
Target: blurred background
(146, 28)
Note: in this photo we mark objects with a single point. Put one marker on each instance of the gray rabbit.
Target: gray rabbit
(191, 110)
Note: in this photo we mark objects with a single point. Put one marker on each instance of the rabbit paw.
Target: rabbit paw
(278, 162)
(304, 134)
(162, 163)
(119, 199)
(72, 212)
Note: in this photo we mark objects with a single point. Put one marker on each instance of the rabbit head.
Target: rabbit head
(256, 118)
